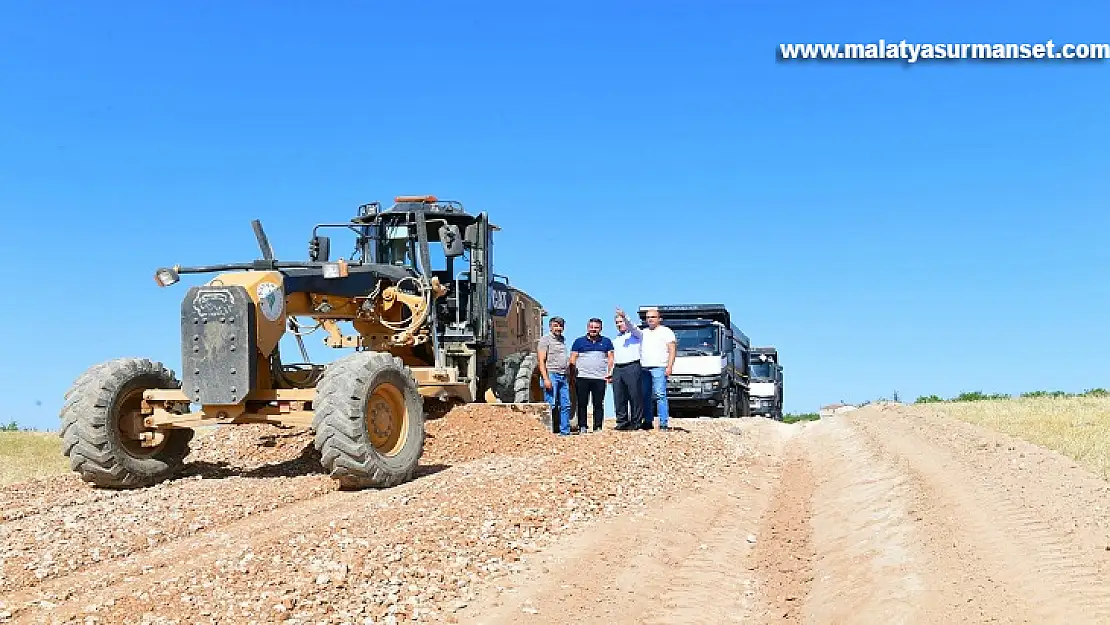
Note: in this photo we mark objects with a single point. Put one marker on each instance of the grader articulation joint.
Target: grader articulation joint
(424, 337)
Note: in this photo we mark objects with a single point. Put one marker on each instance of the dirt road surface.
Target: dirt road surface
(886, 515)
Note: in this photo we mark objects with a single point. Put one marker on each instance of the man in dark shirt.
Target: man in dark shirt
(592, 356)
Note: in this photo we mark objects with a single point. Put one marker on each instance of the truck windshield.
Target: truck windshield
(696, 341)
(761, 370)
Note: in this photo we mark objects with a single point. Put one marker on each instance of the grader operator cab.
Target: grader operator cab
(429, 330)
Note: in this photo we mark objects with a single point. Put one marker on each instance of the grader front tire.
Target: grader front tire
(369, 421)
(101, 420)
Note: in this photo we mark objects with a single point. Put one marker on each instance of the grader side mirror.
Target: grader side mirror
(452, 241)
(319, 249)
(471, 236)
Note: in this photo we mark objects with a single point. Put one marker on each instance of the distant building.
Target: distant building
(833, 409)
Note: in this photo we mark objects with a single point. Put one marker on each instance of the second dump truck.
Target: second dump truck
(766, 383)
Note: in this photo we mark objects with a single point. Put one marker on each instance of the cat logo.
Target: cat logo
(500, 299)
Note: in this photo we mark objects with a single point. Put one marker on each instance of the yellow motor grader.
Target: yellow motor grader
(425, 337)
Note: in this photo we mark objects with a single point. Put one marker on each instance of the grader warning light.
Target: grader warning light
(423, 339)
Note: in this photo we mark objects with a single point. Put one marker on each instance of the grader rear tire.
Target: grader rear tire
(369, 421)
(100, 422)
(528, 385)
(504, 379)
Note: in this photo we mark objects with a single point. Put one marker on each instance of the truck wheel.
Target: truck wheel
(745, 405)
(101, 423)
(528, 386)
(369, 421)
(727, 409)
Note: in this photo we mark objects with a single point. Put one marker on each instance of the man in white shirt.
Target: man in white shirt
(657, 353)
(627, 380)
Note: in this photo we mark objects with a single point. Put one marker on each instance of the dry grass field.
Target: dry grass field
(1077, 427)
(26, 455)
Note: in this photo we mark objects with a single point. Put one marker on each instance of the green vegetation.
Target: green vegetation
(806, 416)
(980, 396)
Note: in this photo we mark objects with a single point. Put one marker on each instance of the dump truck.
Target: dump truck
(710, 374)
(766, 383)
(431, 326)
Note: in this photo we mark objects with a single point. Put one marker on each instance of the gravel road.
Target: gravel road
(889, 514)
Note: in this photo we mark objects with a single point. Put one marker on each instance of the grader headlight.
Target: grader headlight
(166, 276)
(335, 270)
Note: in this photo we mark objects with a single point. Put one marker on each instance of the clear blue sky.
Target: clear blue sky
(926, 229)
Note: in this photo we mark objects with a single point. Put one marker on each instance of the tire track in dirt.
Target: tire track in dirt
(1014, 566)
(784, 552)
(684, 559)
(881, 556)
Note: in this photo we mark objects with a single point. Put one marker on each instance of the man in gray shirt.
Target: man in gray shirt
(592, 356)
(553, 361)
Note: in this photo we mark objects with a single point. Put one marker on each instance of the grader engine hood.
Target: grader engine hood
(227, 327)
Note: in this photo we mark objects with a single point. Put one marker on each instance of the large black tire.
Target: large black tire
(369, 421)
(504, 382)
(727, 409)
(528, 385)
(92, 439)
(744, 408)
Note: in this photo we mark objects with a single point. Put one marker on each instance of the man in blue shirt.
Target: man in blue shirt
(592, 356)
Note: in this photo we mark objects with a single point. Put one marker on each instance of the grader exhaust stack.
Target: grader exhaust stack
(424, 337)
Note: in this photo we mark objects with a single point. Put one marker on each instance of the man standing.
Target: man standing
(627, 382)
(592, 356)
(657, 358)
(552, 353)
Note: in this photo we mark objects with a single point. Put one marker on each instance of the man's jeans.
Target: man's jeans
(655, 394)
(559, 398)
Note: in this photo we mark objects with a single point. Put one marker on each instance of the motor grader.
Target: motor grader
(425, 336)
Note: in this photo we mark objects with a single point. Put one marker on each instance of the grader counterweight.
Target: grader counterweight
(425, 336)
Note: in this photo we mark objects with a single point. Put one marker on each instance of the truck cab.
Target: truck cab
(710, 375)
(766, 383)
